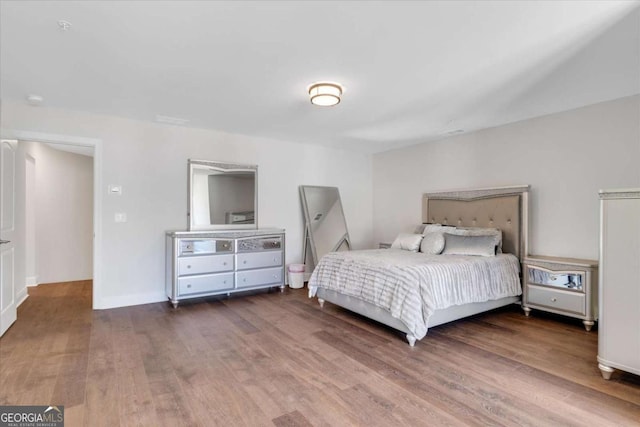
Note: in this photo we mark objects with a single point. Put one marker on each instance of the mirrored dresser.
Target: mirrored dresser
(204, 263)
(566, 286)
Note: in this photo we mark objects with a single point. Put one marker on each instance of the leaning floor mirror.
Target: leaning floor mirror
(325, 224)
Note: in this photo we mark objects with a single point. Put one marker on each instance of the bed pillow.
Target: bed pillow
(430, 228)
(432, 243)
(496, 233)
(469, 245)
(419, 229)
(407, 242)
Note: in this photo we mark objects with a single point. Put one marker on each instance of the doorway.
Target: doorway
(58, 216)
(13, 188)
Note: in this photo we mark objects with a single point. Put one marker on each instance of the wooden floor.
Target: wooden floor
(278, 359)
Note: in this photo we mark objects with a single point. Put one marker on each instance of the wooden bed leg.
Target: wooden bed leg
(411, 339)
(321, 302)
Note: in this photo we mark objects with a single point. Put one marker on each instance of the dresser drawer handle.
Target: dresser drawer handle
(554, 299)
(244, 262)
(552, 277)
(189, 285)
(224, 263)
(188, 266)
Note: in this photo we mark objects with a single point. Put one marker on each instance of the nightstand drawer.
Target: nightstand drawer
(573, 302)
(567, 280)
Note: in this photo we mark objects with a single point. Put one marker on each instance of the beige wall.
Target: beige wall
(149, 160)
(63, 214)
(565, 157)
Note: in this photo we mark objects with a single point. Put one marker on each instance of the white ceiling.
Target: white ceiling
(413, 71)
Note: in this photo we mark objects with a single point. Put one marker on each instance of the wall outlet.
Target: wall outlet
(121, 217)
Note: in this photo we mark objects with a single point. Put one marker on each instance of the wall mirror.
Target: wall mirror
(325, 224)
(222, 195)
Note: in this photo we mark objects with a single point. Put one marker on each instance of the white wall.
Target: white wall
(565, 157)
(30, 222)
(150, 162)
(63, 214)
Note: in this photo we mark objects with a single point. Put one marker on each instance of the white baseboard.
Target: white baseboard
(129, 300)
(32, 281)
(22, 296)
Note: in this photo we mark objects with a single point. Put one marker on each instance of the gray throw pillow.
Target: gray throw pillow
(480, 231)
(469, 245)
(432, 243)
(407, 242)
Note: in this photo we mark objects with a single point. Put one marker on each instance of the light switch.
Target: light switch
(121, 217)
(115, 189)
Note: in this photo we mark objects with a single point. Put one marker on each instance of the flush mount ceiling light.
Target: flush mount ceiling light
(325, 94)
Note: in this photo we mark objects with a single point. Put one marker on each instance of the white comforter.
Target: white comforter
(411, 286)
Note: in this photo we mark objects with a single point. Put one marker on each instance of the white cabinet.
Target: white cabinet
(208, 263)
(619, 325)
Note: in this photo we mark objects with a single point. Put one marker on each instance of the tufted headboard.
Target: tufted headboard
(506, 208)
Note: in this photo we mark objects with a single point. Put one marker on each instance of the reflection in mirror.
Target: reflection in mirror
(325, 225)
(222, 195)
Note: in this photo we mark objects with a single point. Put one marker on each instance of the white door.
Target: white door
(7, 234)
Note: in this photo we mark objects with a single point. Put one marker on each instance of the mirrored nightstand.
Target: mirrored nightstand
(567, 286)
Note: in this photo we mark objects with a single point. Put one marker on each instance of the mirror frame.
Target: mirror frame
(222, 167)
(309, 243)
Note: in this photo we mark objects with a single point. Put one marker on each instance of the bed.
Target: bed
(401, 289)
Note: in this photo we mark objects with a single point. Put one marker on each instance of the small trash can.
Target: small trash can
(296, 276)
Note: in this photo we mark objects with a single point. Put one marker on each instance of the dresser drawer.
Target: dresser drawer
(266, 276)
(204, 264)
(573, 302)
(204, 246)
(259, 260)
(202, 284)
(256, 244)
